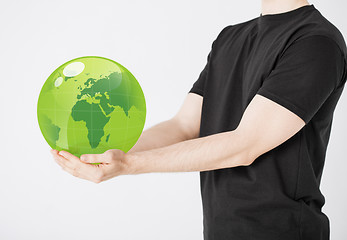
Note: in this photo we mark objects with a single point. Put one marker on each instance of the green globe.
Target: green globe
(89, 105)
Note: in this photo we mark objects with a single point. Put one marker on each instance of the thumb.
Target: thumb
(91, 158)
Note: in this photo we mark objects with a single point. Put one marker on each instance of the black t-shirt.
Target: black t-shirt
(298, 60)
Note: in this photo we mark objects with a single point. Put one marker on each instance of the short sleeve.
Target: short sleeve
(198, 85)
(305, 75)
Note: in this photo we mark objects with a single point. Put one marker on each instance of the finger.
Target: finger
(53, 151)
(63, 162)
(70, 157)
(80, 169)
(92, 158)
(76, 167)
(68, 166)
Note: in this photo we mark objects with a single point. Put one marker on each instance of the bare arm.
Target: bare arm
(183, 126)
(264, 125)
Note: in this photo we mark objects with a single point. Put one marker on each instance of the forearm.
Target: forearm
(160, 135)
(216, 151)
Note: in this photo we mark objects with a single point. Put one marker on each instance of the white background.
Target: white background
(165, 45)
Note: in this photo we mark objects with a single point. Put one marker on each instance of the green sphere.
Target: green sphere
(89, 105)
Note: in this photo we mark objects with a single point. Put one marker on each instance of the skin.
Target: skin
(174, 145)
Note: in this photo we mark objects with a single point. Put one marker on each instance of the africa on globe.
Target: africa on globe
(89, 105)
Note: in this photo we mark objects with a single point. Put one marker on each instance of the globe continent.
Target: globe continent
(90, 105)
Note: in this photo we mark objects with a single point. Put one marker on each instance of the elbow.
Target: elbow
(247, 150)
(243, 152)
(247, 159)
(243, 158)
(250, 156)
(249, 162)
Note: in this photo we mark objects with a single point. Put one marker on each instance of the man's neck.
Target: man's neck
(280, 6)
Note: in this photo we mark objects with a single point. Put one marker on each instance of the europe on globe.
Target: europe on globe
(89, 105)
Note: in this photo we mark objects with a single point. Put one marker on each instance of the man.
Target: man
(256, 125)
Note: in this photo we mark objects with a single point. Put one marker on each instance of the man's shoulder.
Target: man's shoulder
(237, 29)
(319, 25)
(240, 26)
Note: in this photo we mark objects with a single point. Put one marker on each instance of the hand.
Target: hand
(111, 164)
